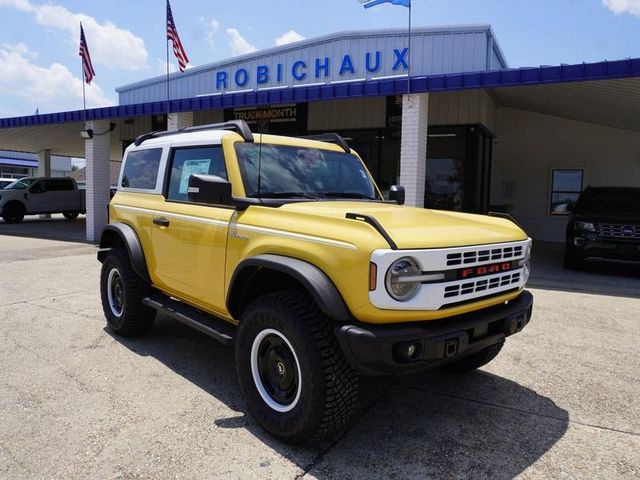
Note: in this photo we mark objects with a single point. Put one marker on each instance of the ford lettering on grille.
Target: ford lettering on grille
(485, 270)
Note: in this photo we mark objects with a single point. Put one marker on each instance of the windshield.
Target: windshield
(21, 184)
(295, 172)
(611, 200)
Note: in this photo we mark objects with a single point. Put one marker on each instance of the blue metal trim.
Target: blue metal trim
(392, 86)
(13, 162)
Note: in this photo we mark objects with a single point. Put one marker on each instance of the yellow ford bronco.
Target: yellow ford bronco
(285, 249)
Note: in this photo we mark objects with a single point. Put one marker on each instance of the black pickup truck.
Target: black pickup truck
(605, 224)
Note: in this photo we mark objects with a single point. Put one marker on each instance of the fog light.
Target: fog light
(579, 241)
(407, 351)
(411, 351)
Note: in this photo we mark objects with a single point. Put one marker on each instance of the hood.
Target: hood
(411, 227)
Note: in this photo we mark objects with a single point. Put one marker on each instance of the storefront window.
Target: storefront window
(566, 186)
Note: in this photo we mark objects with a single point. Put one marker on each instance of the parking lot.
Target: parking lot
(560, 401)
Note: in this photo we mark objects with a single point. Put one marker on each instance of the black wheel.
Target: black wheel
(13, 213)
(70, 215)
(475, 360)
(296, 382)
(571, 260)
(122, 291)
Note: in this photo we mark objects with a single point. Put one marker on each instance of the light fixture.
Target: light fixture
(87, 133)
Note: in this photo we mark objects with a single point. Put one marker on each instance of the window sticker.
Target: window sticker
(193, 167)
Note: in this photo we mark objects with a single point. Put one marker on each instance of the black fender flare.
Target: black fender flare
(314, 280)
(116, 234)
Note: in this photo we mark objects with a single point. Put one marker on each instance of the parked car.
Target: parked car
(604, 224)
(6, 181)
(35, 195)
(285, 248)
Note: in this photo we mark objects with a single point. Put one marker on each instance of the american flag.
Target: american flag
(87, 66)
(172, 34)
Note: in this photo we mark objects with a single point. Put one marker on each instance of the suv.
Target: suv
(284, 248)
(605, 224)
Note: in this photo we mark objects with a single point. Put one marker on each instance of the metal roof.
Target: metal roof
(544, 75)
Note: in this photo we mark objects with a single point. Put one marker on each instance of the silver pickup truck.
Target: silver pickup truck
(36, 195)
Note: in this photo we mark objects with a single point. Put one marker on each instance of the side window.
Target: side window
(59, 184)
(566, 186)
(189, 161)
(141, 169)
(38, 187)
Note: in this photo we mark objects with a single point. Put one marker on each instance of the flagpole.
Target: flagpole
(167, 40)
(82, 79)
(409, 69)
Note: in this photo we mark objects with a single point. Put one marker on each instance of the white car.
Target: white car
(6, 181)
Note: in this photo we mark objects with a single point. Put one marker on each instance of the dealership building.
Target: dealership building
(444, 115)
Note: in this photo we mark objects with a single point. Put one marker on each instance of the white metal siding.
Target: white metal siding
(462, 108)
(351, 113)
(448, 50)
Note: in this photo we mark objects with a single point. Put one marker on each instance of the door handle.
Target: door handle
(163, 222)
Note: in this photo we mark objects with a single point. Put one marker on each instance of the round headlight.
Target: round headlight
(399, 286)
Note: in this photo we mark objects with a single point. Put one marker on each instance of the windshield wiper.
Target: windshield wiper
(286, 195)
(346, 195)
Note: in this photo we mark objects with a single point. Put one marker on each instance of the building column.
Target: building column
(44, 170)
(44, 163)
(413, 147)
(98, 171)
(179, 120)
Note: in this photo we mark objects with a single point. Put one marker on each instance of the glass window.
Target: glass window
(566, 186)
(21, 184)
(302, 172)
(193, 161)
(58, 184)
(141, 169)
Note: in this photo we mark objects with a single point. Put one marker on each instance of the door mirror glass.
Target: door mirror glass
(209, 189)
(396, 193)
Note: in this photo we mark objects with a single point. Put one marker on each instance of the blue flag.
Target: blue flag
(373, 3)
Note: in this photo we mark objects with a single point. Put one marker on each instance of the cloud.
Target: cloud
(239, 45)
(623, 6)
(20, 48)
(110, 45)
(212, 28)
(289, 37)
(50, 88)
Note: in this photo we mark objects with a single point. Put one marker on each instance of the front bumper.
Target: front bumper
(381, 349)
(591, 246)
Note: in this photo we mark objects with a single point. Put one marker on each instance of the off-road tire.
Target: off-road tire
(475, 360)
(135, 318)
(70, 215)
(571, 261)
(13, 212)
(329, 386)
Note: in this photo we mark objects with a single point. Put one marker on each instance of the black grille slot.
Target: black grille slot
(484, 255)
(481, 285)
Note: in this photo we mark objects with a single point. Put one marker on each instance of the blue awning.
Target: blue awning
(14, 162)
(607, 70)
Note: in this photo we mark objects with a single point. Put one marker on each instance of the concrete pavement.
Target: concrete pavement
(561, 400)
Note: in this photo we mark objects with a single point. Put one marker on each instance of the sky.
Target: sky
(40, 67)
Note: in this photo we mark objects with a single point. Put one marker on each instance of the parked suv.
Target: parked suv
(605, 224)
(284, 248)
(34, 195)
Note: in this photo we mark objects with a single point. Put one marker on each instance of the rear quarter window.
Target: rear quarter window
(141, 169)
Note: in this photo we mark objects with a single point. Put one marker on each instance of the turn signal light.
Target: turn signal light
(373, 276)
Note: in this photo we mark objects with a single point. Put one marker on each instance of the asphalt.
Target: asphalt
(561, 400)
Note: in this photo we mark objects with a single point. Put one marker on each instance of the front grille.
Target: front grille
(481, 285)
(618, 231)
(484, 255)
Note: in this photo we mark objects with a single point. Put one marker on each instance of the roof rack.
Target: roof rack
(238, 126)
(330, 138)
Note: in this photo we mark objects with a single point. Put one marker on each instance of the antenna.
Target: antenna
(261, 125)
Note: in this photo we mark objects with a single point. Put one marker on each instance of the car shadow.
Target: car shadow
(430, 424)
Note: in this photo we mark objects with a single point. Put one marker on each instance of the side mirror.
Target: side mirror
(570, 206)
(396, 192)
(209, 189)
